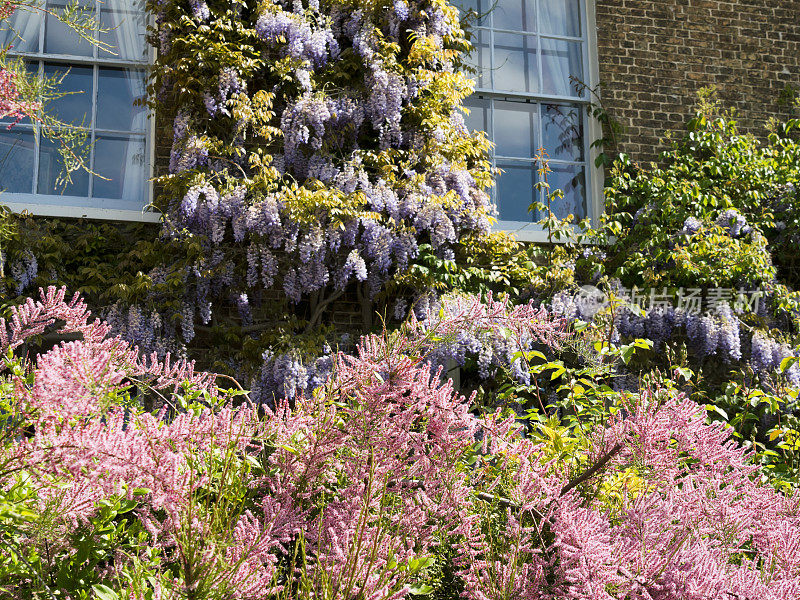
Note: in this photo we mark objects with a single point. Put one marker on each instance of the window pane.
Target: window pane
(515, 191)
(126, 30)
(515, 128)
(116, 91)
(478, 118)
(562, 131)
(560, 17)
(16, 159)
(560, 60)
(570, 179)
(51, 171)
(75, 106)
(515, 67)
(519, 15)
(479, 8)
(121, 160)
(479, 59)
(60, 38)
(21, 30)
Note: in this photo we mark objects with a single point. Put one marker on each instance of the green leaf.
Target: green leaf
(103, 592)
(627, 353)
(421, 589)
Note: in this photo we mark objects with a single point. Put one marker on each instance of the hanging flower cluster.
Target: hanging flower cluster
(315, 147)
(446, 333)
(718, 334)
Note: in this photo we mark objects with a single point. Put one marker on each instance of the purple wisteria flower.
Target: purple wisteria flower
(691, 226)
(733, 222)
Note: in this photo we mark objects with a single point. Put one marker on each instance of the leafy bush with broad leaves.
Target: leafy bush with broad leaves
(715, 216)
(379, 485)
(710, 213)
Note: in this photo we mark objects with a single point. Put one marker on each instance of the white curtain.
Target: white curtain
(126, 21)
(127, 18)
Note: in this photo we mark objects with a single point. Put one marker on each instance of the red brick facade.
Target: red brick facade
(655, 54)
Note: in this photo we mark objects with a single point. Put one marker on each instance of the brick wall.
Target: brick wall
(655, 54)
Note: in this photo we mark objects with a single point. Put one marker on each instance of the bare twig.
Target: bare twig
(601, 462)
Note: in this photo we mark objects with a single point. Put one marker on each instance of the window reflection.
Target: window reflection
(562, 131)
(74, 106)
(560, 17)
(17, 150)
(20, 31)
(59, 38)
(571, 180)
(515, 125)
(517, 15)
(561, 60)
(117, 90)
(120, 160)
(125, 22)
(515, 66)
(479, 60)
(478, 117)
(515, 191)
(51, 171)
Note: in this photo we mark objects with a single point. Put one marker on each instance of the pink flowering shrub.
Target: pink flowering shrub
(380, 485)
(11, 104)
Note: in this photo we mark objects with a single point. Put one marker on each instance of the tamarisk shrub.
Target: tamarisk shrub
(359, 489)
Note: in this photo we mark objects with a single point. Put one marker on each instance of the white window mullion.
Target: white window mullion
(93, 121)
(37, 132)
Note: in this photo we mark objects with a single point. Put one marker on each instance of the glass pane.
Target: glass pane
(562, 131)
(479, 59)
(126, 30)
(515, 128)
(560, 17)
(21, 31)
(116, 91)
(519, 15)
(75, 106)
(60, 38)
(515, 67)
(515, 191)
(16, 159)
(51, 171)
(122, 160)
(478, 117)
(570, 179)
(479, 8)
(560, 60)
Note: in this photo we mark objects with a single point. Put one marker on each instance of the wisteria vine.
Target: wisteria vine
(316, 147)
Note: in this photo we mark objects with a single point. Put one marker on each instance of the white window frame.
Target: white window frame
(19, 202)
(530, 231)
